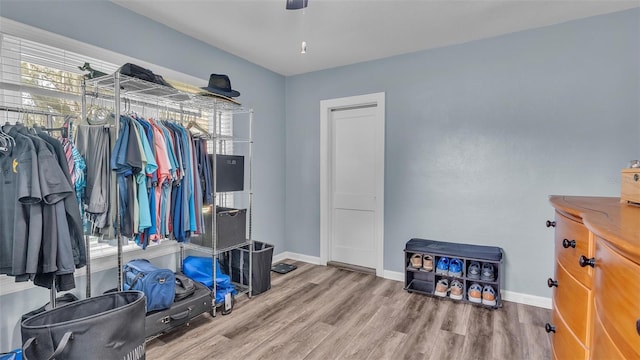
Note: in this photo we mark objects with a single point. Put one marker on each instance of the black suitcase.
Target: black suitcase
(180, 313)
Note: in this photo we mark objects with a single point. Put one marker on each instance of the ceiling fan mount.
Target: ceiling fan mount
(297, 4)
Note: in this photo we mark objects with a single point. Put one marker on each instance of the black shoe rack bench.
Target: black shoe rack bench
(423, 281)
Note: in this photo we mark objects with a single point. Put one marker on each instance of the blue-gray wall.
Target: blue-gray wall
(478, 135)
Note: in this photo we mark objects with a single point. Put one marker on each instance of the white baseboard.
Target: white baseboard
(526, 299)
(393, 275)
(507, 295)
(315, 260)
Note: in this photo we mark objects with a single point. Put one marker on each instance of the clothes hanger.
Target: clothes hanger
(194, 125)
(5, 143)
(7, 139)
(64, 130)
(68, 124)
(33, 127)
(18, 124)
(20, 116)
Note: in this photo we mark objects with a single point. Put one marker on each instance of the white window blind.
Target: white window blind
(44, 83)
(37, 78)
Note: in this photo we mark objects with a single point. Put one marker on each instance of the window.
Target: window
(42, 84)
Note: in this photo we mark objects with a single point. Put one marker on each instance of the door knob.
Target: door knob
(566, 243)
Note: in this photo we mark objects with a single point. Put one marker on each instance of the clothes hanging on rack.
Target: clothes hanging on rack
(78, 171)
(19, 171)
(75, 169)
(93, 142)
(160, 180)
(71, 205)
(188, 216)
(157, 165)
(122, 163)
(204, 169)
(40, 228)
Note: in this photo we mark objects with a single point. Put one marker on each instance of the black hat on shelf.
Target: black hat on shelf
(221, 85)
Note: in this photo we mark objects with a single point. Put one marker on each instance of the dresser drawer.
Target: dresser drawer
(617, 299)
(573, 300)
(572, 240)
(563, 343)
(603, 347)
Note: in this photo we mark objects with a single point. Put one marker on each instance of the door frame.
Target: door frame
(326, 106)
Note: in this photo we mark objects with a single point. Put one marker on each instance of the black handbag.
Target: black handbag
(138, 72)
(141, 73)
(185, 287)
(108, 326)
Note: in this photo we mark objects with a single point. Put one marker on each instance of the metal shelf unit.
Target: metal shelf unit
(120, 89)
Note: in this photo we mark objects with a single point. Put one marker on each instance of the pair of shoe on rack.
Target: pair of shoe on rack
(479, 295)
(484, 273)
(449, 267)
(422, 261)
(455, 290)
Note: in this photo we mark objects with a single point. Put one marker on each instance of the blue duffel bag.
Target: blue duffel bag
(200, 269)
(12, 355)
(158, 285)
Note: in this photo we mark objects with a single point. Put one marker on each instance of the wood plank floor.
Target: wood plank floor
(318, 312)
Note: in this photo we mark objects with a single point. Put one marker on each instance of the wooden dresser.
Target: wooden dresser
(596, 282)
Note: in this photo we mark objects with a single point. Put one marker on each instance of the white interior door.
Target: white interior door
(353, 186)
(354, 175)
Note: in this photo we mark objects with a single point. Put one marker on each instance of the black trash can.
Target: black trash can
(236, 264)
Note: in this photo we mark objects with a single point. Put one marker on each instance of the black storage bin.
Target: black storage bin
(229, 172)
(92, 328)
(236, 264)
(232, 228)
(60, 300)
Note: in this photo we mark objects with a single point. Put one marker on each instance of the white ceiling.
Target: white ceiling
(341, 32)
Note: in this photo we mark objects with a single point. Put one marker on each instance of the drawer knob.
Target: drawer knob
(636, 177)
(552, 283)
(551, 223)
(566, 243)
(638, 326)
(584, 261)
(549, 328)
